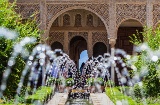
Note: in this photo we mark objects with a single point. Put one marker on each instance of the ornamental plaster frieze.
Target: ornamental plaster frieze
(29, 11)
(130, 11)
(102, 10)
(73, 34)
(99, 37)
(156, 14)
(56, 36)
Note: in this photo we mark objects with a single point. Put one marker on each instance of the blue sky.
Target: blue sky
(83, 57)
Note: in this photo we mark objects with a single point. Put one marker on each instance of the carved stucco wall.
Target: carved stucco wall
(156, 14)
(99, 37)
(29, 11)
(54, 10)
(56, 36)
(130, 11)
(121, 9)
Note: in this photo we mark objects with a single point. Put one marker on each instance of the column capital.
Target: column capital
(112, 42)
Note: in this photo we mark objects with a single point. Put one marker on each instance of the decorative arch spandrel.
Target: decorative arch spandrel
(127, 20)
(156, 14)
(130, 11)
(99, 37)
(28, 10)
(56, 36)
(55, 10)
(73, 34)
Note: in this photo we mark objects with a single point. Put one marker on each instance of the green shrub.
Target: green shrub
(13, 21)
(115, 95)
(41, 95)
(100, 81)
(69, 82)
(90, 81)
(110, 83)
(146, 67)
(50, 81)
(58, 81)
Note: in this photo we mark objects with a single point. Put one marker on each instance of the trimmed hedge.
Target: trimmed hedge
(41, 95)
(115, 95)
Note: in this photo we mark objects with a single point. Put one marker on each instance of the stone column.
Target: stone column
(112, 20)
(112, 33)
(89, 44)
(66, 43)
(43, 14)
(149, 11)
(112, 43)
(42, 4)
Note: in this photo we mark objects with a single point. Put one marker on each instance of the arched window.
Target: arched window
(66, 20)
(55, 23)
(100, 23)
(89, 20)
(78, 20)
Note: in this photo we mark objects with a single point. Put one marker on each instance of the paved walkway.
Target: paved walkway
(97, 99)
(58, 99)
(100, 99)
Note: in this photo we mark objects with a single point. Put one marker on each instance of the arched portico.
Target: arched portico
(76, 46)
(55, 16)
(74, 25)
(127, 28)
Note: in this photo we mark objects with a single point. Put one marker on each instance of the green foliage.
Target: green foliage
(139, 92)
(100, 81)
(13, 21)
(90, 81)
(110, 83)
(50, 81)
(115, 95)
(147, 68)
(41, 95)
(69, 82)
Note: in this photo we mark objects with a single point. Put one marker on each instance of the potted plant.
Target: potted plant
(69, 82)
(110, 83)
(101, 82)
(90, 83)
(60, 85)
(50, 81)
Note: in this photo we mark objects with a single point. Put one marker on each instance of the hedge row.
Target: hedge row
(40, 96)
(115, 95)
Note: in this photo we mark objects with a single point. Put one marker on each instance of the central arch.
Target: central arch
(78, 30)
(73, 8)
(76, 46)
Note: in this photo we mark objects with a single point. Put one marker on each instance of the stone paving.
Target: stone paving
(58, 99)
(100, 99)
(97, 99)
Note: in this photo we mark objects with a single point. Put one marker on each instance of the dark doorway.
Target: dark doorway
(99, 49)
(77, 45)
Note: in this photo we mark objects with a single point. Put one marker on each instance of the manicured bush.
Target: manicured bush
(50, 81)
(115, 95)
(100, 81)
(41, 95)
(69, 82)
(90, 81)
(110, 83)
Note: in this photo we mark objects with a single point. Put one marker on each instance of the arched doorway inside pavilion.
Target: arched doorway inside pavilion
(126, 29)
(56, 45)
(99, 49)
(80, 23)
(76, 46)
